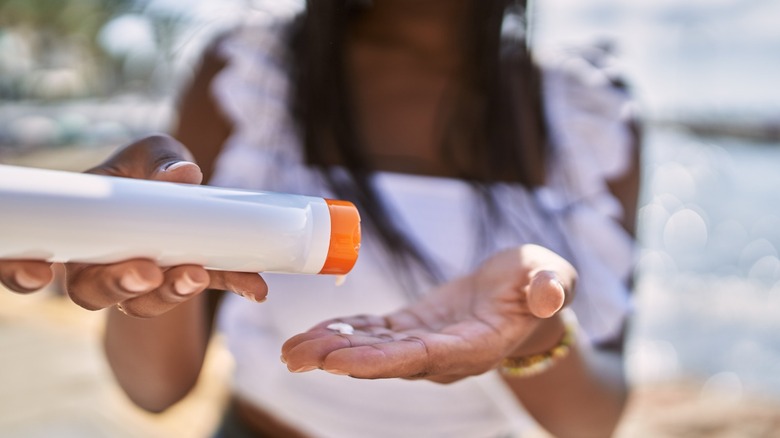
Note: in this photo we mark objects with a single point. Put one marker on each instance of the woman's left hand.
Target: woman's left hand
(462, 328)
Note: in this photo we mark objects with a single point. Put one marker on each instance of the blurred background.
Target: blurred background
(79, 78)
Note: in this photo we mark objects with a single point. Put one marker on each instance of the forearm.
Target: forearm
(581, 395)
(157, 360)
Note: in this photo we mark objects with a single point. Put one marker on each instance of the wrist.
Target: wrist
(532, 358)
(547, 335)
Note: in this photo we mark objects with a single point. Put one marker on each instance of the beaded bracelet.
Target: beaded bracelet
(528, 366)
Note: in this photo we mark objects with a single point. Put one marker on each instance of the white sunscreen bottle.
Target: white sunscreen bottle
(74, 217)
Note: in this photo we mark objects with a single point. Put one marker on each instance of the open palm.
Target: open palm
(464, 327)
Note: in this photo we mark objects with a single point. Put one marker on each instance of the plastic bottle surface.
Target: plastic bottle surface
(73, 217)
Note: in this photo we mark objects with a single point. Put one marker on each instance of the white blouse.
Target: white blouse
(574, 214)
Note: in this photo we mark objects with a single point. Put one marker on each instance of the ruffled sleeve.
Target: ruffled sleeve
(253, 90)
(588, 112)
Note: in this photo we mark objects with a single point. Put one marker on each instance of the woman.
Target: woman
(479, 174)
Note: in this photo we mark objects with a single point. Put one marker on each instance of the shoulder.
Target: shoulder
(587, 78)
(588, 106)
(254, 92)
(258, 39)
(256, 73)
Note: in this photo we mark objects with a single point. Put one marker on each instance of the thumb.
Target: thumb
(546, 294)
(181, 171)
(157, 157)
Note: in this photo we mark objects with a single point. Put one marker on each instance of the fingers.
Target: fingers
(370, 328)
(25, 276)
(406, 357)
(96, 287)
(180, 284)
(249, 285)
(358, 355)
(307, 351)
(143, 289)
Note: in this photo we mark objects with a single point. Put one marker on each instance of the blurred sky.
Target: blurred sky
(696, 55)
(709, 56)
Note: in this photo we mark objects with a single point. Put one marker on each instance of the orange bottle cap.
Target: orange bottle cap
(344, 237)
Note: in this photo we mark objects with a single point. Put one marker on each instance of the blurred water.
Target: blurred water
(708, 290)
(708, 293)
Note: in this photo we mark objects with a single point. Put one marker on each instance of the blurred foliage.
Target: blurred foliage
(80, 19)
(53, 49)
(86, 72)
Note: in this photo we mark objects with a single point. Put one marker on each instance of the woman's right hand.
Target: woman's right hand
(138, 287)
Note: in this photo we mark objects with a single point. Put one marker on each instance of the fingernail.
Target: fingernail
(544, 303)
(185, 285)
(337, 372)
(282, 359)
(249, 296)
(175, 165)
(304, 369)
(27, 281)
(133, 282)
